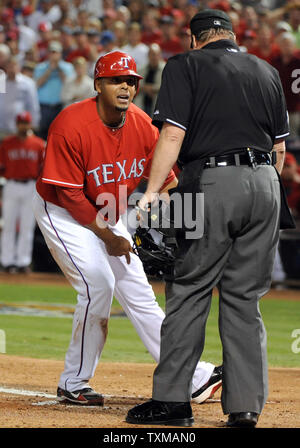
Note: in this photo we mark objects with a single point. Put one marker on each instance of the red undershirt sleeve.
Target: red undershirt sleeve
(77, 204)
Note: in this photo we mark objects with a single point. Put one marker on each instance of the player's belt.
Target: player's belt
(249, 157)
(23, 181)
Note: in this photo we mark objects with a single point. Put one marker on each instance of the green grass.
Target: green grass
(48, 338)
(281, 318)
(36, 337)
(37, 294)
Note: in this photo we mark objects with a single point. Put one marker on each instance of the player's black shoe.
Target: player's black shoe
(86, 396)
(209, 389)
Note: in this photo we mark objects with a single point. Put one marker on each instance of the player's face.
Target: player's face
(117, 92)
(23, 128)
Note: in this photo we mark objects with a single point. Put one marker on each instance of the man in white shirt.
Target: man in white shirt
(49, 12)
(27, 38)
(135, 46)
(21, 94)
(79, 87)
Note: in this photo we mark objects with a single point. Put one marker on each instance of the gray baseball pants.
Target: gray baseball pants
(236, 254)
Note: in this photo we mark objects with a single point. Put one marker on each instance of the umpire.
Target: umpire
(223, 113)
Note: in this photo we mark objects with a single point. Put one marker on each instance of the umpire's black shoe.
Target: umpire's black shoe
(155, 412)
(242, 420)
(209, 389)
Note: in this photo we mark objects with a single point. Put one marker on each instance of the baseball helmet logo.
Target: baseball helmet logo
(115, 63)
(125, 62)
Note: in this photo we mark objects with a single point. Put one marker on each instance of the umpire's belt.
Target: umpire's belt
(259, 158)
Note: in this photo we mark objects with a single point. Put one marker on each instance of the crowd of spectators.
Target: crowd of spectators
(48, 49)
(55, 43)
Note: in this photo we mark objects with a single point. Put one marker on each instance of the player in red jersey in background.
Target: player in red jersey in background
(21, 158)
(97, 149)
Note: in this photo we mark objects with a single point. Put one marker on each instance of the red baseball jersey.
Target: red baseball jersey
(83, 153)
(21, 158)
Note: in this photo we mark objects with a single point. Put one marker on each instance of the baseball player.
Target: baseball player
(21, 158)
(96, 148)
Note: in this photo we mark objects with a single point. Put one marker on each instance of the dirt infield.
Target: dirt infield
(123, 385)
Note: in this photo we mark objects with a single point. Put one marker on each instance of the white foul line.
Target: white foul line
(28, 393)
(32, 393)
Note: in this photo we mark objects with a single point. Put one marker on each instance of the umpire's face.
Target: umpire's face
(116, 92)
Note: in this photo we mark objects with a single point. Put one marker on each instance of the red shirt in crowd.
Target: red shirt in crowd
(291, 180)
(43, 50)
(269, 56)
(151, 37)
(289, 73)
(79, 52)
(170, 47)
(292, 190)
(20, 158)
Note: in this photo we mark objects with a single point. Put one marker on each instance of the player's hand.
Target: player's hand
(118, 246)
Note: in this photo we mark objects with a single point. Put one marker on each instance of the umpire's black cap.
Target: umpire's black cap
(210, 18)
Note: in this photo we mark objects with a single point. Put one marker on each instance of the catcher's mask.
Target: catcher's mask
(156, 249)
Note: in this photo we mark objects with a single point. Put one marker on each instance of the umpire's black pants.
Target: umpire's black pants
(236, 253)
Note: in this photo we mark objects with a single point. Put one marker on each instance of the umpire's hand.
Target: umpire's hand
(146, 200)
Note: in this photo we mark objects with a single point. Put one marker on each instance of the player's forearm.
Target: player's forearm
(105, 234)
(165, 156)
(74, 200)
(279, 148)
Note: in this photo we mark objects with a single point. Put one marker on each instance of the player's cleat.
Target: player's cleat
(86, 396)
(12, 269)
(208, 390)
(24, 270)
(155, 412)
(242, 420)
